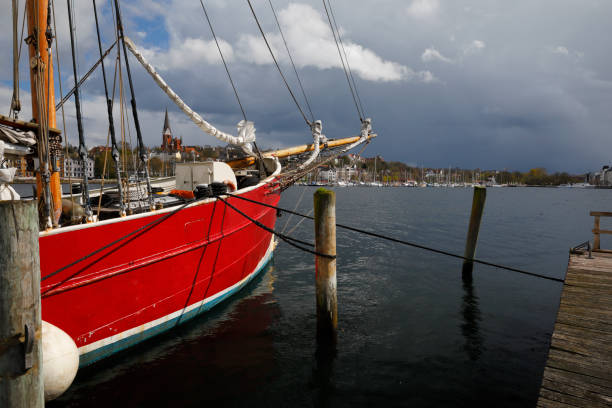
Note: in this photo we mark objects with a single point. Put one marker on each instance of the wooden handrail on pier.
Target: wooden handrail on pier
(597, 231)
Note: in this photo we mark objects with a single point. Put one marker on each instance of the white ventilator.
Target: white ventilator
(246, 129)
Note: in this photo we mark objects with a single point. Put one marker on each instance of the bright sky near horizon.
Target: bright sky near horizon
(467, 83)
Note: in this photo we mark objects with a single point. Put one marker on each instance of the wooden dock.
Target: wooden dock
(578, 371)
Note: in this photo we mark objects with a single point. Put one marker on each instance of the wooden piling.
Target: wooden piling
(478, 202)
(21, 380)
(325, 268)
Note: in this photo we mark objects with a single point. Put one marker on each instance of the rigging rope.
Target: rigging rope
(37, 65)
(141, 147)
(77, 104)
(294, 209)
(59, 73)
(262, 168)
(400, 241)
(342, 60)
(223, 59)
(85, 77)
(346, 58)
(292, 63)
(111, 122)
(278, 66)
(15, 102)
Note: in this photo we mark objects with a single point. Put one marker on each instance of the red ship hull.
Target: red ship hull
(164, 274)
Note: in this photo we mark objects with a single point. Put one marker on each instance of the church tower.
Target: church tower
(167, 134)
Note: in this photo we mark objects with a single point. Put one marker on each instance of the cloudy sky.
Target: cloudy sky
(468, 83)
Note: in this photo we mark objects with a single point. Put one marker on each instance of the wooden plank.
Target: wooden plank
(589, 283)
(578, 371)
(591, 365)
(577, 391)
(578, 380)
(20, 124)
(599, 304)
(573, 292)
(600, 214)
(546, 403)
(584, 268)
(572, 400)
(567, 331)
(597, 261)
(587, 339)
(600, 231)
(583, 348)
(586, 322)
(605, 255)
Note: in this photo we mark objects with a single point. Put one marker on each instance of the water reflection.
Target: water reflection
(323, 371)
(193, 363)
(471, 316)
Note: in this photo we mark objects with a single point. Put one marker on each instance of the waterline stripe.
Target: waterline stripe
(107, 346)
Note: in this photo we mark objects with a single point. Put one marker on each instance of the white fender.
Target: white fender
(60, 360)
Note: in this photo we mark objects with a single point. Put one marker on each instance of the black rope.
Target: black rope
(291, 59)
(223, 59)
(84, 78)
(331, 10)
(342, 60)
(141, 147)
(400, 241)
(77, 105)
(291, 241)
(111, 122)
(146, 226)
(278, 66)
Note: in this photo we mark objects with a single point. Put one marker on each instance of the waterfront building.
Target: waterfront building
(73, 168)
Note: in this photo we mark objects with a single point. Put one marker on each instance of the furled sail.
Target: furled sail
(246, 129)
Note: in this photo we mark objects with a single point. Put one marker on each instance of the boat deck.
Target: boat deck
(578, 371)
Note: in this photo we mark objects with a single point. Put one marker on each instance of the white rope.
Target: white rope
(246, 129)
(366, 129)
(317, 138)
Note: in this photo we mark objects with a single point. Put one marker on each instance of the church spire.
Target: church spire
(167, 123)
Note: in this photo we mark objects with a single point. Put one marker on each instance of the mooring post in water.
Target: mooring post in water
(325, 268)
(21, 379)
(480, 195)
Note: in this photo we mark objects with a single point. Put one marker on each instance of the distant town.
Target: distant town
(345, 170)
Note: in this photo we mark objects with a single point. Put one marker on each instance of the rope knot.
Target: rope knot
(366, 127)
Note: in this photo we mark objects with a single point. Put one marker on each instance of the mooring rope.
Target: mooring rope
(407, 243)
(291, 241)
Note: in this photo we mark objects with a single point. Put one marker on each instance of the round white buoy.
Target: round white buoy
(60, 360)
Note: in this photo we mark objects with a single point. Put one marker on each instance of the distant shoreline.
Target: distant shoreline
(32, 180)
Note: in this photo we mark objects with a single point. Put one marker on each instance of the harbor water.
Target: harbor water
(411, 333)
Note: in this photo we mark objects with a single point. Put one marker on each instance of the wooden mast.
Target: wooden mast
(43, 98)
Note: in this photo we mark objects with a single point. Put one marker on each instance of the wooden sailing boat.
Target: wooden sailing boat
(115, 282)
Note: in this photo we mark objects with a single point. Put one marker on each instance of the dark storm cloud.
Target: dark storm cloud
(489, 84)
